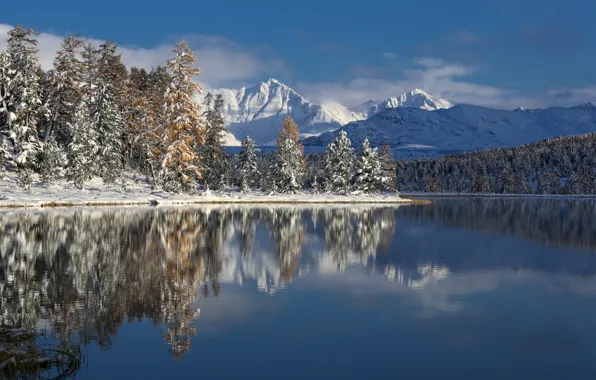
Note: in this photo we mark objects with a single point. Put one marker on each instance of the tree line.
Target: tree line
(562, 165)
(92, 117)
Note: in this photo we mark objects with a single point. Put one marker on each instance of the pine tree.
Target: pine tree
(182, 134)
(82, 149)
(216, 159)
(108, 126)
(26, 104)
(505, 181)
(248, 165)
(7, 93)
(339, 162)
(52, 162)
(388, 169)
(481, 182)
(4, 155)
(290, 168)
(369, 178)
(62, 91)
(542, 182)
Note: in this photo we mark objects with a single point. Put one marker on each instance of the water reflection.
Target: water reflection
(561, 222)
(87, 272)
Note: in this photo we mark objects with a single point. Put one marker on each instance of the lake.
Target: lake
(461, 288)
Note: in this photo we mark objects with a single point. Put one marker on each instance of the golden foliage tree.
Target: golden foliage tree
(182, 133)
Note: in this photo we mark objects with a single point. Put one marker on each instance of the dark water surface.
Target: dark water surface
(462, 288)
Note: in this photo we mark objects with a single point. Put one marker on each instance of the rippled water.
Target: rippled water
(473, 288)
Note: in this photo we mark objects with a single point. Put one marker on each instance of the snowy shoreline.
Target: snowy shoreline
(219, 198)
(139, 193)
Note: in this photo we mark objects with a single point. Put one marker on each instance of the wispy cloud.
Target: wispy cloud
(222, 61)
(437, 77)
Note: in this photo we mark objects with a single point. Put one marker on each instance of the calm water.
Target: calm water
(477, 288)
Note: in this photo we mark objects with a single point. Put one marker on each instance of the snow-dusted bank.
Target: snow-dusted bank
(140, 193)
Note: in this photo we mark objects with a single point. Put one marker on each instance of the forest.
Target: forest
(92, 117)
(562, 165)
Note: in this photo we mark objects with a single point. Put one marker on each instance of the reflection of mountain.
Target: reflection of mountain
(561, 222)
(87, 271)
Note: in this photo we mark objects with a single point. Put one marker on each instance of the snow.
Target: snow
(413, 99)
(260, 110)
(139, 192)
(465, 127)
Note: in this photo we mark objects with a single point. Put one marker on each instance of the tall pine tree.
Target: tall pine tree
(248, 165)
(369, 178)
(62, 91)
(27, 105)
(81, 152)
(388, 168)
(290, 167)
(108, 125)
(182, 134)
(215, 158)
(339, 163)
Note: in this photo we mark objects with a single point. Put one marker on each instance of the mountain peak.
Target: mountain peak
(415, 98)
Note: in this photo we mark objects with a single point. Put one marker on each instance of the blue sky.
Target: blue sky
(500, 53)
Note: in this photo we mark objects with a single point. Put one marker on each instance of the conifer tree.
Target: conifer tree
(81, 153)
(339, 163)
(480, 182)
(108, 126)
(388, 168)
(248, 165)
(369, 178)
(62, 91)
(26, 105)
(215, 158)
(182, 134)
(4, 155)
(290, 167)
(52, 161)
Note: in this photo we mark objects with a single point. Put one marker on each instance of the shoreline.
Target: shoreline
(296, 199)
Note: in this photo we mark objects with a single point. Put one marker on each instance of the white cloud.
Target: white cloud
(432, 75)
(222, 61)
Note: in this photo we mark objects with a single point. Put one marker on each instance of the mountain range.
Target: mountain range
(412, 121)
(260, 110)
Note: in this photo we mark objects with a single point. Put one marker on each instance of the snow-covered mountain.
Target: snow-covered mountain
(259, 111)
(465, 127)
(413, 99)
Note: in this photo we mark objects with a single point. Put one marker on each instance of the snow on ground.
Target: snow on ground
(139, 192)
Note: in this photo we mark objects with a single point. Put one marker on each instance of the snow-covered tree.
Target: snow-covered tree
(4, 155)
(215, 158)
(388, 168)
(369, 178)
(247, 165)
(108, 125)
(26, 103)
(290, 167)
(183, 133)
(339, 164)
(52, 161)
(62, 91)
(82, 150)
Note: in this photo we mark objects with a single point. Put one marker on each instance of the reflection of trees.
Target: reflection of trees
(86, 272)
(355, 234)
(288, 232)
(561, 222)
